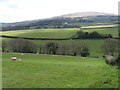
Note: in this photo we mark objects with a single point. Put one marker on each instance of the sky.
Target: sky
(22, 10)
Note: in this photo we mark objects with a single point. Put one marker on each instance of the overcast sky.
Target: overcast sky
(21, 10)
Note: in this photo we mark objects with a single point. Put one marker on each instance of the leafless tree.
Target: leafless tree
(4, 45)
(64, 48)
(23, 46)
(110, 46)
(81, 49)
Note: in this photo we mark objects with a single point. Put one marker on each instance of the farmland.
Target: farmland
(55, 71)
(61, 32)
(59, 71)
(94, 44)
(113, 31)
(43, 33)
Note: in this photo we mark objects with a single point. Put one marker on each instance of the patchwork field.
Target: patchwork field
(61, 32)
(57, 71)
(54, 71)
(95, 45)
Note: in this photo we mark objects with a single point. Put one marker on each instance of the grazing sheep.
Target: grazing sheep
(22, 54)
(111, 60)
(14, 58)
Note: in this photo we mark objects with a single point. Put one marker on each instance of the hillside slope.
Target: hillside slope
(86, 14)
(75, 20)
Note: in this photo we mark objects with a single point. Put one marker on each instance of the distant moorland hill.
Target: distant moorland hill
(74, 20)
(86, 14)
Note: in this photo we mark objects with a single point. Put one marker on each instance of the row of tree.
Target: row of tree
(110, 47)
(91, 35)
(27, 46)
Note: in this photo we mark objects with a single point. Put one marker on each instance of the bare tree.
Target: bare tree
(64, 48)
(110, 46)
(4, 45)
(23, 46)
(81, 49)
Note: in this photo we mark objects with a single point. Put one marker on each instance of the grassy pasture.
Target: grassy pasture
(101, 26)
(112, 31)
(66, 33)
(61, 32)
(43, 33)
(55, 71)
(48, 71)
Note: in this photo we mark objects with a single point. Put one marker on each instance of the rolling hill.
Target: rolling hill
(74, 20)
(43, 70)
(86, 14)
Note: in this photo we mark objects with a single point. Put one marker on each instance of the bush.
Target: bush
(23, 46)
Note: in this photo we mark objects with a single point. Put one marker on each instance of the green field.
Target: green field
(95, 45)
(43, 33)
(54, 71)
(57, 71)
(101, 26)
(61, 32)
(112, 31)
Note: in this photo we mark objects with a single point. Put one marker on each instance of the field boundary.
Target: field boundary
(36, 38)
